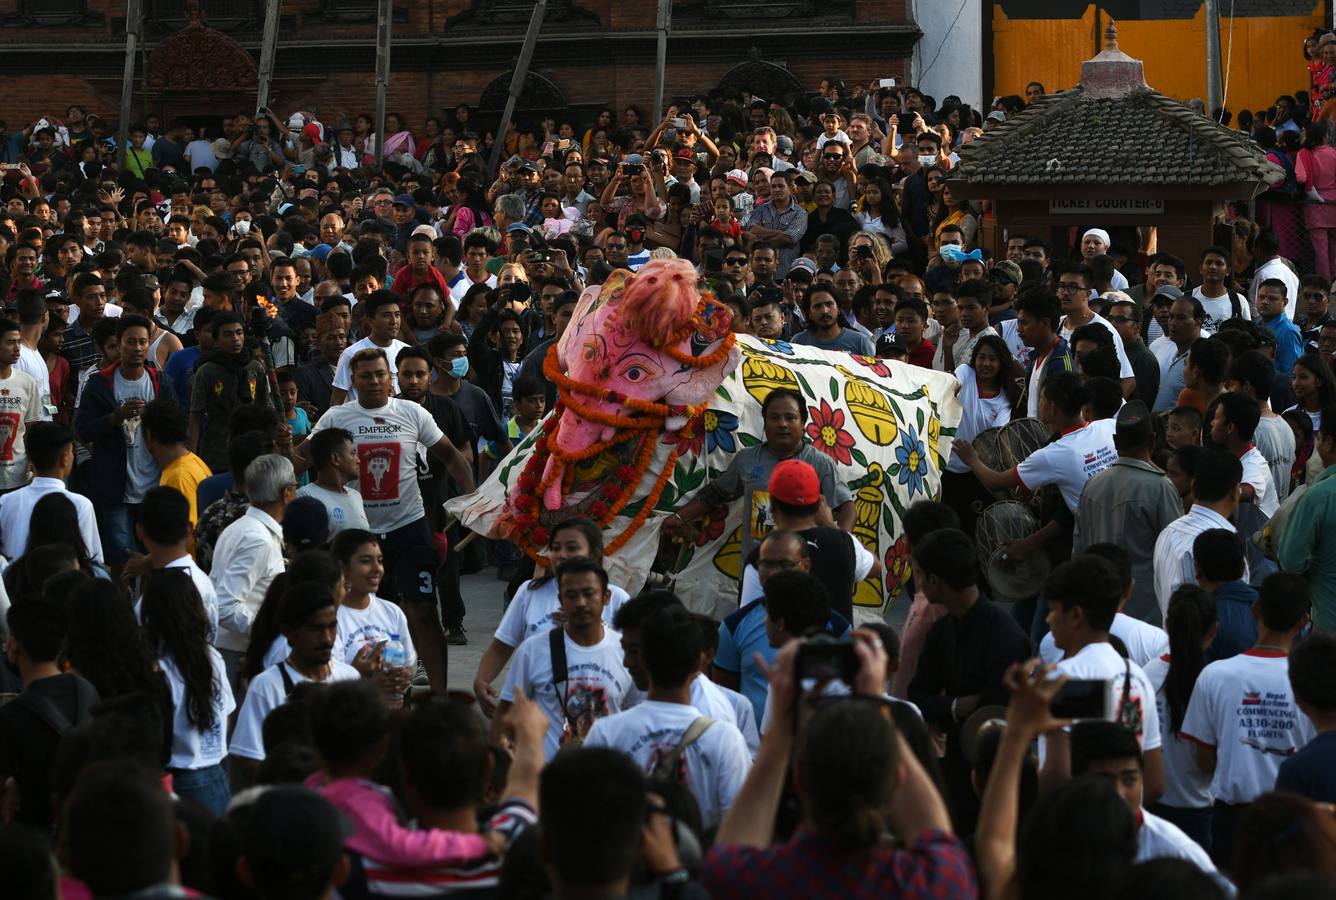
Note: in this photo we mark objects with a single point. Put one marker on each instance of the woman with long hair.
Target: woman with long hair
(603, 122)
(989, 389)
(366, 621)
(1192, 625)
(473, 308)
(1315, 168)
(177, 631)
(877, 212)
(827, 218)
(472, 211)
(955, 211)
(54, 520)
(1314, 387)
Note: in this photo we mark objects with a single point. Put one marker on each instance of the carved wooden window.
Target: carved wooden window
(223, 15)
(53, 12)
(349, 10)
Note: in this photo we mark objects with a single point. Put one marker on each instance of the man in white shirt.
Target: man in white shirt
(248, 555)
(478, 248)
(1270, 264)
(1143, 641)
(51, 453)
(164, 529)
(1108, 750)
(1096, 242)
(33, 320)
(1243, 715)
(1253, 374)
(709, 698)
(1220, 301)
(389, 435)
(1074, 283)
(1236, 418)
(20, 406)
(667, 735)
(574, 673)
(309, 621)
(1083, 596)
(383, 317)
(1215, 492)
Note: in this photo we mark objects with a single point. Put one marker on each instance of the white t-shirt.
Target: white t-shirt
(720, 703)
(380, 621)
(1161, 839)
(1143, 641)
(1186, 786)
(713, 767)
(1220, 309)
(265, 694)
(20, 403)
(343, 376)
(1257, 472)
(533, 611)
(345, 509)
(1243, 707)
(597, 684)
(1276, 268)
(977, 413)
(1071, 460)
(31, 361)
(387, 439)
(192, 748)
(461, 286)
(1101, 662)
(751, 579)
(1124, 363)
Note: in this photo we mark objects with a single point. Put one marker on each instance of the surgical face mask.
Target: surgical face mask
(926, 161)
(243, 226)
(951, 253)
(459, 367)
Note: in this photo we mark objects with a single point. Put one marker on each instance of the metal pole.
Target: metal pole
(134, 22)
(1212, 57)
(662, 23)
(382, 77)
(517, 82)
(268, 49)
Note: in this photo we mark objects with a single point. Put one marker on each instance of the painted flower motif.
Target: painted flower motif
(897, 565)
(689, 441)
(713, 527)
(826, 429)
(782, 346)
(913, 460)
(719, 428)
(878, 366)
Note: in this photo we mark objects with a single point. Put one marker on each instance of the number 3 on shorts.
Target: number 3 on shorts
(426, 587)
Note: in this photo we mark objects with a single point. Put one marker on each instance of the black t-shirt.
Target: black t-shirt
(31, 727)
(833, 564)
(1312, 771)
(479, 413)
(432, 478)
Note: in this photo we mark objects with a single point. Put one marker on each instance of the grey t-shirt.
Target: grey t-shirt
(345, 509)
(849, 341)
(142, 470)
(1275, 441)
(748, 476)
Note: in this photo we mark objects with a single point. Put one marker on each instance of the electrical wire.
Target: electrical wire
(923, 74)
(1229, 63)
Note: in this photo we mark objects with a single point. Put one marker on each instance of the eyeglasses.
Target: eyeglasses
(832, 156)
(736, 261)
(614, 246)
(1067, 287)
(1119, 320)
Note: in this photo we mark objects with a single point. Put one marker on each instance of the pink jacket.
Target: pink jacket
(377, 834)
(1316, 169)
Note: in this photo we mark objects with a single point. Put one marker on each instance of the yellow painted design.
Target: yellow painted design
(867, 528)
(728, 559)
(761, 376)
(872, 412)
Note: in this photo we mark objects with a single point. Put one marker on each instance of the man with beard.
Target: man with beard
(226, 377)
(824, 331)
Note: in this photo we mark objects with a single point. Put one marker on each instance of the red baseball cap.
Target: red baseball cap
(796, 483)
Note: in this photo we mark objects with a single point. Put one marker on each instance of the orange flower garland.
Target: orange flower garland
(534, 482)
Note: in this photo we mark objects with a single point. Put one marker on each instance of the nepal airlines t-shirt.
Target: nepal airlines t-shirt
(1244, 708)
(1071, 460)
(387, 440)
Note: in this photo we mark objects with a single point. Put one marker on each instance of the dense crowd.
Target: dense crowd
(241, 372)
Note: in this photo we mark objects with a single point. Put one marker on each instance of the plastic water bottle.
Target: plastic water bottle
(394, 656)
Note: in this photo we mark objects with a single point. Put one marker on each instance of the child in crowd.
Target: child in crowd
(334, 462)
(1182, 427)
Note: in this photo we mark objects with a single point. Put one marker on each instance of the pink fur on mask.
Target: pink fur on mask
(661, 299)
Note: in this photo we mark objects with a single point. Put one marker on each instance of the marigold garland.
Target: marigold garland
(615, 495)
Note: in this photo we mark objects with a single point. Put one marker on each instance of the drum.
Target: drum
(1011, 578)
(1004, 447)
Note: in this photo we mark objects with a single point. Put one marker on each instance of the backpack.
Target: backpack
(666, 769)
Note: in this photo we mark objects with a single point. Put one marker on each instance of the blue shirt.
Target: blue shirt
(1289, 342)
(180, 367)
(1233, 610)
(1312, 771)
(741, 636)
